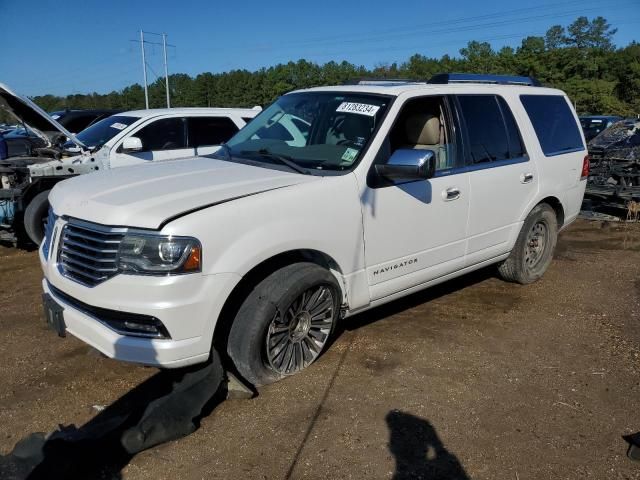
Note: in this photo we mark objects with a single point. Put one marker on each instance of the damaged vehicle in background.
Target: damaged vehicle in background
(128, 138)
(614, 179)
(594, 125)
(22, 141)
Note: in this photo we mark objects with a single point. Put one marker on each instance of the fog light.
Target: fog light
(141, 327)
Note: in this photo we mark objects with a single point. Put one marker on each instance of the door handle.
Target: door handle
(526, 177)
(451, 193)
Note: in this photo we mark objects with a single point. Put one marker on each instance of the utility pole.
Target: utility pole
(166, 69)
(144, 64)
(144, 70)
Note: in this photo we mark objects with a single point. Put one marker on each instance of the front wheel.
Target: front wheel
(285, 323)
(534, 247)
(35, 216)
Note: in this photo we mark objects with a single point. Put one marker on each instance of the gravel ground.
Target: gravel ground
(475, 378)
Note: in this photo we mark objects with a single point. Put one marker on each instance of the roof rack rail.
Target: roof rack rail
(384, 82)
(442, 78)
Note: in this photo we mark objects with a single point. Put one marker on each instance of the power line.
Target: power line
(440, 31)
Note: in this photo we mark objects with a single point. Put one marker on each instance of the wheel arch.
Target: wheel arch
(558, 208)
(258, 273)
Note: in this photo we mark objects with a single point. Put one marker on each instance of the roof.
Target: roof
(152, 112)
(396, 89)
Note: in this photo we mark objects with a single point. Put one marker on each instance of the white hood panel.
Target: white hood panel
(146, 196)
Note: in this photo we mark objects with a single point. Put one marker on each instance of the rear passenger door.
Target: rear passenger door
(207, 133)
(503, 179)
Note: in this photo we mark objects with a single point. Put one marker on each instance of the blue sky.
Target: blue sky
(80, 46)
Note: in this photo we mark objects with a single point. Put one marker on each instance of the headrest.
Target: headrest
(423, 129)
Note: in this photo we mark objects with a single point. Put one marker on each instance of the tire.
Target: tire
(35, 216)
(529, 260)
(285, 323)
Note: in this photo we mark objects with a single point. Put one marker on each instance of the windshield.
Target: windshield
(101, 132)
(315, 130)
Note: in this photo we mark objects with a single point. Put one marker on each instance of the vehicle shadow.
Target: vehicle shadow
(418, 451)
(165, 407)
(410, 301)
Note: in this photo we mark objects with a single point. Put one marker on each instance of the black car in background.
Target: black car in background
(77, 120)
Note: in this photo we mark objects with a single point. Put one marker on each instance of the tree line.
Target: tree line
(580, 59)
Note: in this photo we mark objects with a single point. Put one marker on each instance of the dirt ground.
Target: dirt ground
(476, 378)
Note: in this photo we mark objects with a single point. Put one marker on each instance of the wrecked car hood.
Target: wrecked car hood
(621, 140)
(33, 117)
(146, 196)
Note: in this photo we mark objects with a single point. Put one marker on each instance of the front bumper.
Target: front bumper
(187, 305)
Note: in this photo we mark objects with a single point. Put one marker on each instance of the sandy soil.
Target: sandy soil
(476, 378)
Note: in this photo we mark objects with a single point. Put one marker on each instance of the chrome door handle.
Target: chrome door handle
(526, 178)
(451, 193)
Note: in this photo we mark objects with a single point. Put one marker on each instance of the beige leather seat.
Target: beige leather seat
(424, 133)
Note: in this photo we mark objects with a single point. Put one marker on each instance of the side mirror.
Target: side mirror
(132, 144)
(409, 164)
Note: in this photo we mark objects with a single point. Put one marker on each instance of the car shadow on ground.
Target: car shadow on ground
(165, 407)
(418, 451)
(413, 300)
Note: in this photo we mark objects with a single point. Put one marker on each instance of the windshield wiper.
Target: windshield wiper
(285, 160)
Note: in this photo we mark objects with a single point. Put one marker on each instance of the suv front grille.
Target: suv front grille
(88, 252)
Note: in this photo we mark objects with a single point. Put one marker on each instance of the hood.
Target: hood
(148, 196)
(33, 116)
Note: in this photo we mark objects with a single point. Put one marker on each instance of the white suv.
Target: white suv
(332, 201)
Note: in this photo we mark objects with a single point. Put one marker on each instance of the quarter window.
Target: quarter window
(206, 131)
(553, 122)
(164, 134)
(516, 147)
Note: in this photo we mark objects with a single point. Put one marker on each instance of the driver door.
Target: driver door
(416, 231)
(162, 139)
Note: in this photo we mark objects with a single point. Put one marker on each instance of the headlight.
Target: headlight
(159, 254)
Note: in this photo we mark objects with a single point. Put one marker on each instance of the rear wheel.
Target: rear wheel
(35, 216)
(534, 248)
(285, 323)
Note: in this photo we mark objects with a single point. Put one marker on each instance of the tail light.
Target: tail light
(585, 168)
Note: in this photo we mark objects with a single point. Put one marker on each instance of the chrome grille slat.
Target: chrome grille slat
(86, 256)
(91, 238)
(73, 243)
(82, 273)
(88, 266)
(88, 253)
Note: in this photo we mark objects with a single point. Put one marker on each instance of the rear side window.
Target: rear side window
(206, 131)
(485, 128)
(164, 134)
(553, 122)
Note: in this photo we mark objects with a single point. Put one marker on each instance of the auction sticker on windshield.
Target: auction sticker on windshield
(359, 108)
(119, 126)
(349, 155)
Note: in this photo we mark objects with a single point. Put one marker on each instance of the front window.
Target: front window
(101, 132)
(317, 131)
